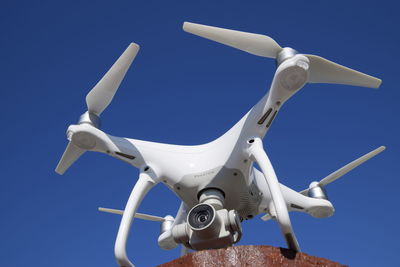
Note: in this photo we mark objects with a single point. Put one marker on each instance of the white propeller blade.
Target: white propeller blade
(345, 169)
(103, 92)
(256, 44)
(325, 71)
(137, 215)
(71, 154)
(321, 70)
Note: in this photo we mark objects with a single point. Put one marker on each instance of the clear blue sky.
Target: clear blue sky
(186, 90)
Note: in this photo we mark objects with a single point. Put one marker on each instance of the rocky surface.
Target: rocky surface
(239, 256)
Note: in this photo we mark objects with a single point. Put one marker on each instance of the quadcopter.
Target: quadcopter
(217, 182)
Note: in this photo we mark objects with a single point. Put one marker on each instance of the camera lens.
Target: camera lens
(201, 216)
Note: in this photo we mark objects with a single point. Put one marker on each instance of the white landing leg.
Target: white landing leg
(184, 250)
(278, 208)
(141, 188)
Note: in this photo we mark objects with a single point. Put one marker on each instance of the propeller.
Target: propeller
(97, 101)
(70, 155)
(103, 92)
(345, 169)
(137, 215)
(321, 69)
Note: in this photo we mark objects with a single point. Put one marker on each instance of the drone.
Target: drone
(217, 182)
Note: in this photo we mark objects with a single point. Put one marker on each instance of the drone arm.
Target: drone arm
(84, 137)
(141, 188)
(289, 78)
(278, 204)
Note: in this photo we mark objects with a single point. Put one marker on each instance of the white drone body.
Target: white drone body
(217, 182)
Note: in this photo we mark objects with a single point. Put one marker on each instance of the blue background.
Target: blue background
(183, 89)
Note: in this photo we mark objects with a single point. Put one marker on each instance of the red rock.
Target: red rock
(240, 256)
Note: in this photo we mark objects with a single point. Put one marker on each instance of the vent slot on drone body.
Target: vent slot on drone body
(296, 206)
(272, 118)
(265, 116)
(125, 155)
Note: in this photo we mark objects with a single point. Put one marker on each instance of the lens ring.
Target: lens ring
(201, 216)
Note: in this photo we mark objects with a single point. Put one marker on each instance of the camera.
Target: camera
(201, 216)
(207, 227)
